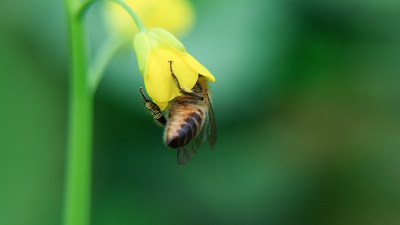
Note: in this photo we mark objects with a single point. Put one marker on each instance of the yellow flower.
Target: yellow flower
(177, 16)
(154, 49)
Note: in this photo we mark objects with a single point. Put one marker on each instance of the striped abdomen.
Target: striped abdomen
(184, 124)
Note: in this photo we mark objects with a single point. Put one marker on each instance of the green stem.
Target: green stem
(78, 178)
(82, 88)
(123, 4)
(109, 48)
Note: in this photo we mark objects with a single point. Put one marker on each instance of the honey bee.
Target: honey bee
(190, 121)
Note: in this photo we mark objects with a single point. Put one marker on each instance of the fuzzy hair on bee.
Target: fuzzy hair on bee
(190, 121)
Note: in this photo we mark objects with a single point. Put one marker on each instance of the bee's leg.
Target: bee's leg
(160, 119)
(179, 86)
(153, 109)
(199, 86)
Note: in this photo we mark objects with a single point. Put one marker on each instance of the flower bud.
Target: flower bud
(176, 16)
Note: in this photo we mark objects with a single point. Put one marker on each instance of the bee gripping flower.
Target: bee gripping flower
(155, 48)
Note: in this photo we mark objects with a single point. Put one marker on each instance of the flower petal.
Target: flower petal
(158, 79)
(161, 105)
(167, 38)
(142, 49)
(196, 66)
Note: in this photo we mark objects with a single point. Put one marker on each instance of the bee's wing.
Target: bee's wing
(186, 153)
(208, 132)
(210, 126)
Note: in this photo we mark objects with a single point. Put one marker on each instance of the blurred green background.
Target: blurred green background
(307, 102)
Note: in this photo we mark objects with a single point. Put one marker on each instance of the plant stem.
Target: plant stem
(78, 178)
(109, 48)
(123, 4)
(82, 88)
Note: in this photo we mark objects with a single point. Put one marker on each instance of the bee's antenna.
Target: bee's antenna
(141, 92)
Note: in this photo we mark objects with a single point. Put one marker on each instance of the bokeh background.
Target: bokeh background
(307, 102)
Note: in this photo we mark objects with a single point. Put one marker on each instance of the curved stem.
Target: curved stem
(123, 4)
(79, 149)
(103, 58)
